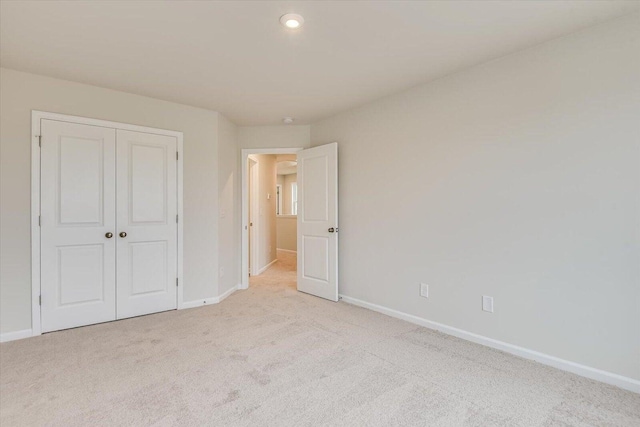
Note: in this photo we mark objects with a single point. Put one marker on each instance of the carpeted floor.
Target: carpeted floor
(272, 356)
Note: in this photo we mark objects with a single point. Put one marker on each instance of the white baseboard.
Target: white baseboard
(209, 301)
(287, 250)
(228, 293)
(263, 269)
(199, 303)
(28, 333)
(16, 335)
(565, 365)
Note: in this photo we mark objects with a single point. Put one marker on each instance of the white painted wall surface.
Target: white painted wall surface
(229, 208)
(20, 93)
(518, 179)
(290, 136)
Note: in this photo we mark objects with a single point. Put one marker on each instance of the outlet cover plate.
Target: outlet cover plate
(487, 304)
(424, 290)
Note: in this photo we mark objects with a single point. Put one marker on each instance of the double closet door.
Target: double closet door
(108, 224)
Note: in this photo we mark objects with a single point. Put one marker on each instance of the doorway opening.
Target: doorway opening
(270, 204)
(312, 198)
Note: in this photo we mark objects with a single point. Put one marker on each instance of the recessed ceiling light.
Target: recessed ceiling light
(292, 20)
(287, 120)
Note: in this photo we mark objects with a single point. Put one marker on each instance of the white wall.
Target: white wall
(289, 136)
(518, 179)
(229, 214)
(20, 93)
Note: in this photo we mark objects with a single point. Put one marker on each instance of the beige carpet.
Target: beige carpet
(272, 356)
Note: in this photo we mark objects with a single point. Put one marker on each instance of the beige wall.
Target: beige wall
(287, 206)
(285, 181)
(518, 179)
(287, 225)
(19, 94)
(266, 209)
(287, 229)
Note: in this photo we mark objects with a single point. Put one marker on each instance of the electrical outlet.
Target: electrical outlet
(424, 290)
(487, 304)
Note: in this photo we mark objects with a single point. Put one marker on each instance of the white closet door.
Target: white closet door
(77, 215)
(147, 228)
(318, 221)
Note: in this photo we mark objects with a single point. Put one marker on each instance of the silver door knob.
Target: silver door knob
(331, 230)
(108, 235)
(123, 234)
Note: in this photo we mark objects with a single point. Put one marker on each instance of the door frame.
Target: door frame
(244, 246)
(36, 117)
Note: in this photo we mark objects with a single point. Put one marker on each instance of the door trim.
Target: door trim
(244, 246)
(36, 117)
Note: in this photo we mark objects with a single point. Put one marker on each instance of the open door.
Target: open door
(318, 221)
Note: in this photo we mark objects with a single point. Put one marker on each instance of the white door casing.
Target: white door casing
(78, 200)
(318, 221)
(147, 223)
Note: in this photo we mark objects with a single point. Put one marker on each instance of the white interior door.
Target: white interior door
(318, 221)
(77, 214)
(147, 223)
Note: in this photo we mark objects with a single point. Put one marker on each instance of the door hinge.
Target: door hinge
(176, 281)
(39, 221)
(176, 155)
(39, 140)
(39, 299)
(176, 219)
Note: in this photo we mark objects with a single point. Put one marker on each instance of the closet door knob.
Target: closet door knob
(123, 234)
(331, 230)
(108, 235)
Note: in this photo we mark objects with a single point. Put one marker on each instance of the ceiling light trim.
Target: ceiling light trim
(292, 21)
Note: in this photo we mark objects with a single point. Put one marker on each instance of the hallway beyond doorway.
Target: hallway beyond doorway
(281, 276)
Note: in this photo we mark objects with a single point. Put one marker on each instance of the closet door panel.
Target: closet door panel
(147, 228)
(77, 214)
